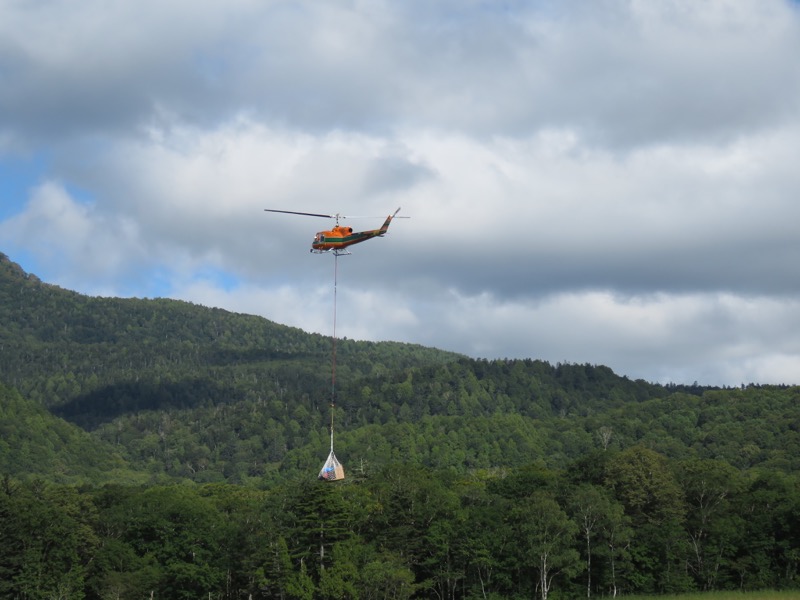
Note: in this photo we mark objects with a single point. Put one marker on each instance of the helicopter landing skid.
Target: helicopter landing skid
(343, 252)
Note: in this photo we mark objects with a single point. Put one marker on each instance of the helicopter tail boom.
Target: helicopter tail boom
(385, 227)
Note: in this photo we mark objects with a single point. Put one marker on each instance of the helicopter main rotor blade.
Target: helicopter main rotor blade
(293, 212)
(337, 216)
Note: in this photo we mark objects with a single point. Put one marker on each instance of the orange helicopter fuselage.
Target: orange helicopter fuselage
(341, 237)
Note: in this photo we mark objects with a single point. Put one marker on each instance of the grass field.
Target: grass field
(765, 595)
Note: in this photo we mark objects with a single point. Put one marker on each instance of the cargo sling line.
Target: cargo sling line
(333, 470)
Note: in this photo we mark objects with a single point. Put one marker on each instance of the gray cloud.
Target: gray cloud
(623, 73)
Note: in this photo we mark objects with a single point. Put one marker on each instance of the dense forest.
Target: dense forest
(159, 447)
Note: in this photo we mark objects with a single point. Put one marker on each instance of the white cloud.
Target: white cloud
(62, 231)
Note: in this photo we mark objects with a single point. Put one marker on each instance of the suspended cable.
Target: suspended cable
(333, 350)
(332, 469)
(333, 354)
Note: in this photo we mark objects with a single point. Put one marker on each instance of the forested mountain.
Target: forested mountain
(155, 448)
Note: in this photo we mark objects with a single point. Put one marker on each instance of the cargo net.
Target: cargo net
(332, 470)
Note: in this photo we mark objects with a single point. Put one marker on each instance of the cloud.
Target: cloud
(716, 339)
(66, 234)
(608, 182)
(635, 73)
(626, 73)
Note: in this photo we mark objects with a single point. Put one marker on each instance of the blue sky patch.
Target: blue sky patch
(18, 176)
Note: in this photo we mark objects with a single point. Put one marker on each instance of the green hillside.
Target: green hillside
(35, 443)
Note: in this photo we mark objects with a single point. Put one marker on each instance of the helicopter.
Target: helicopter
(340, 237)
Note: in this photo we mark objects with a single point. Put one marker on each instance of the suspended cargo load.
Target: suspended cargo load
(332, 470)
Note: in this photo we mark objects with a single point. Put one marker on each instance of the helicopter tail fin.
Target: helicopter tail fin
(385, 227)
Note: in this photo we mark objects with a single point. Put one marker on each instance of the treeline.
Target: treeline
(613, 523)
(457, 427)
(461, 424)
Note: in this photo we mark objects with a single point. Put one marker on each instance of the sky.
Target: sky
(612, 182)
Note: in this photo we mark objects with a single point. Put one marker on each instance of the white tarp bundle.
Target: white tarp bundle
(332, 470)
